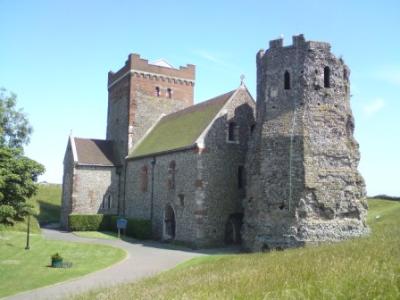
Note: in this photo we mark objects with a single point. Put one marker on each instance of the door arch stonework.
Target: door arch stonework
(169, 223)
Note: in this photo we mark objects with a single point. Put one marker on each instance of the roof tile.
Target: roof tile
(94, 152)
(180, 129)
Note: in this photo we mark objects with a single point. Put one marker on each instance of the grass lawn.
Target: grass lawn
(365, 268)
(21, 226)
(48, 202)
(106, 235)
(23, 270)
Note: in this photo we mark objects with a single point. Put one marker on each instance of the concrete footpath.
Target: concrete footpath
(143, 259)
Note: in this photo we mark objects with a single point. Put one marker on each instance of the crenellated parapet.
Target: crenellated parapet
(298, 41)
(139, 67)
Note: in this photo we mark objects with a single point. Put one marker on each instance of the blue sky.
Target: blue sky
(55, 56)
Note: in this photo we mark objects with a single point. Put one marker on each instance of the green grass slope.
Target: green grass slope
(47, 202)
(22, 226)
(365, 268)
(22, 270)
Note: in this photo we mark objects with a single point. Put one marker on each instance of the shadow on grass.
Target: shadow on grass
(181, 246)
(156, 244)
(49, 213)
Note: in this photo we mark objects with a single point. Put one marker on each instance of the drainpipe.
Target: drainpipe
(118, 173)
(153, 164)
(124, 203)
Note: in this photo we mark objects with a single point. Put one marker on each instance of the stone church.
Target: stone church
(279, 172)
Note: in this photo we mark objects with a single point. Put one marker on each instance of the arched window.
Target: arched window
(232, 132)
(171, 171)
(252, 127)
(327, 79)
(144, 179)
(181, 199)
(286, 80)
(169, 93)
(157, 91)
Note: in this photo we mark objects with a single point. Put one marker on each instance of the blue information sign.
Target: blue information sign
(121, 223)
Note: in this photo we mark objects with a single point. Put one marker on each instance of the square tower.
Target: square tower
(139, 93)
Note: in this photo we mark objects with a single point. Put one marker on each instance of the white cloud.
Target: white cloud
(373, 107)
(390, 74)
(215, 59)
(210, 56)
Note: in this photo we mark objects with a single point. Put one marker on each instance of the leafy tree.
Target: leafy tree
(14, 126)
(18, 173)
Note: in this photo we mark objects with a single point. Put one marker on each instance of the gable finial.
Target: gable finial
(242, 77)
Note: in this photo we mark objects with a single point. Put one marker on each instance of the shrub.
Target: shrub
(140, 229)
(89, 222)
(136, 228)
(56, 256)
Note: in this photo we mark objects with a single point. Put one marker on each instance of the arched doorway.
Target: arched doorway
(232, 229)
(169, 223)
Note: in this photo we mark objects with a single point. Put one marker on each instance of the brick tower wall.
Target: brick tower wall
(133, 103)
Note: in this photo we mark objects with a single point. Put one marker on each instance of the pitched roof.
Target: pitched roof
(94, 152)
(180, 129)
(162, 63)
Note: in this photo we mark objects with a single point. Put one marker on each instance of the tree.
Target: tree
(15, 130)
(18, 173)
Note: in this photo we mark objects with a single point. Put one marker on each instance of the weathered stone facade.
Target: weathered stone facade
(303, 180)
(87, 188)
(285, 167)
(204, 196)
(67, 186)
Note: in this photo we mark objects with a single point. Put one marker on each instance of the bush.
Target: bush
(136, 228)
(89, 222)
(56, 256)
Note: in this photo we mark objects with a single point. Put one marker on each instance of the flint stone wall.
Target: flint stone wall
(91, 187)
(303, 181)
(66, 196)
(221, 159)
(138, 202)
(206, 177)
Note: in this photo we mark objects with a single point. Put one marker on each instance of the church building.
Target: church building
(276, 173)
(180, 165)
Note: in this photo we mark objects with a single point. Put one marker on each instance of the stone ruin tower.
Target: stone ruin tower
(303, 183)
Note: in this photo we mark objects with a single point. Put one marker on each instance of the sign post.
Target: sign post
(121, 224)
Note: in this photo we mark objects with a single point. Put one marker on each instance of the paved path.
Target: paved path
(143, 259)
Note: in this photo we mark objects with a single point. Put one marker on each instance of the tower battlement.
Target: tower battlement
(298, 42)
(141, 67)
